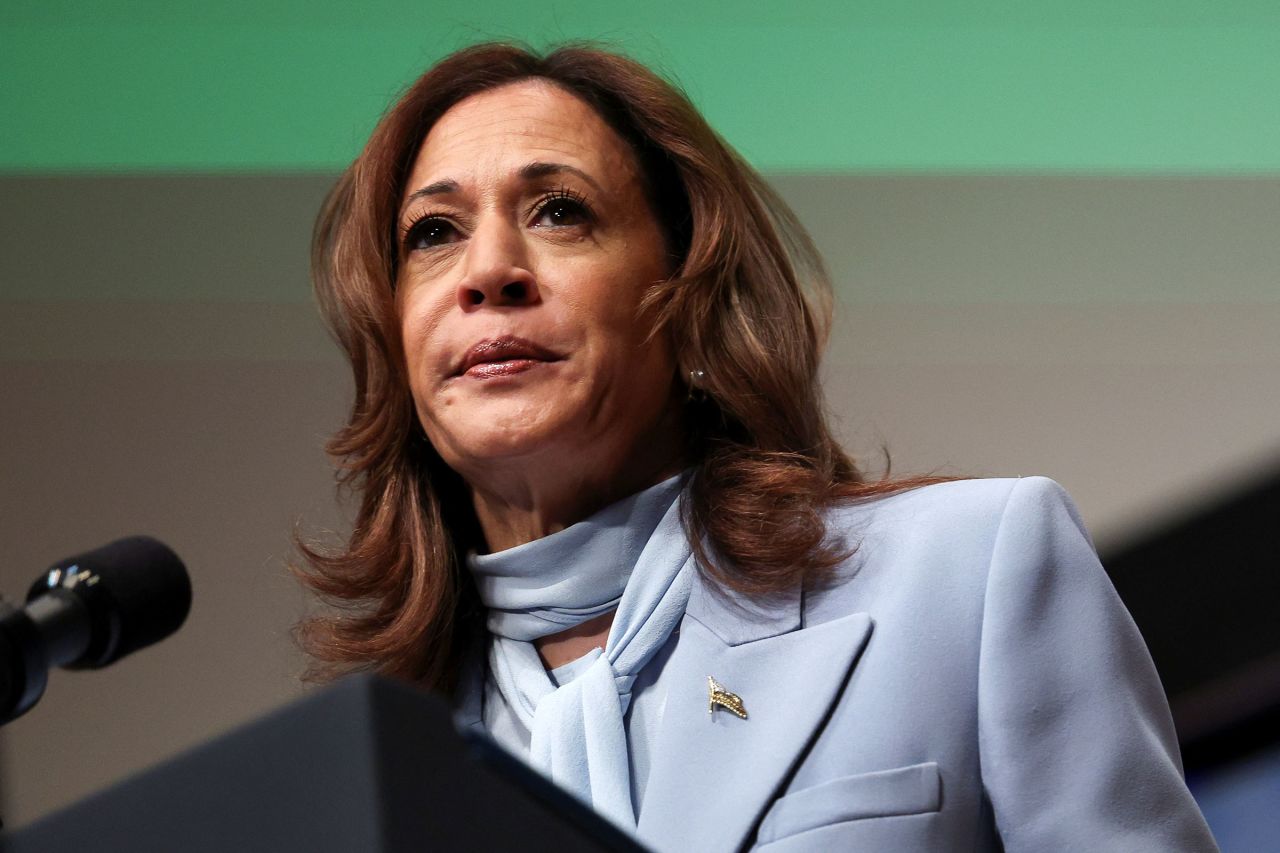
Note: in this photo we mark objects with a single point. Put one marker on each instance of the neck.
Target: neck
(528, 508)
(522, 499)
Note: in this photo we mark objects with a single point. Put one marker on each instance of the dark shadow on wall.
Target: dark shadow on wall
(1204, 590)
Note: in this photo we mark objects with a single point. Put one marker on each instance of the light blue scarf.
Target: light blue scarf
(633, 556)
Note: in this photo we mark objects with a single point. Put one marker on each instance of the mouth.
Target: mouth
(505, 356)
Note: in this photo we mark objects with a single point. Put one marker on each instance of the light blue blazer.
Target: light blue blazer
(970, 682)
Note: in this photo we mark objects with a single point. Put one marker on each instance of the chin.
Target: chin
(506, 447)
(491, 443)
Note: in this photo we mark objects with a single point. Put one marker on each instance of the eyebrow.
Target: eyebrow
(529, 172)
(538, 169)
(438, 188)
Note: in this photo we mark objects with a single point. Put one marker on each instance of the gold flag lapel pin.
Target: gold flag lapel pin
(718, 696)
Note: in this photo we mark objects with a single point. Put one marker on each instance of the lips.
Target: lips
(502, 357)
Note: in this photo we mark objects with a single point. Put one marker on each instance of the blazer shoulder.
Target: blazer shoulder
(973, 505)
(940, 540)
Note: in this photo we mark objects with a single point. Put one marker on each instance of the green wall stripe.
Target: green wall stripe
(1159, 88)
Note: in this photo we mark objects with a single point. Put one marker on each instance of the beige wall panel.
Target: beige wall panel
(1141, 411)
(219, 460)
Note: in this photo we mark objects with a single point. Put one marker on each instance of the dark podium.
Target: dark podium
(365, 765)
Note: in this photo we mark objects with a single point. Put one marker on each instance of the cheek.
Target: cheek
(629, 357)
(423, 308)
(418, 333)
(606, 299)
(606, 304)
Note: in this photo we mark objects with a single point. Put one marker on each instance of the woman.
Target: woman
(599, 504)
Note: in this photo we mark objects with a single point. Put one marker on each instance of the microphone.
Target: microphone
(89, 611)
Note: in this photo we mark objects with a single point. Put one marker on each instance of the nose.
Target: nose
(496, 271)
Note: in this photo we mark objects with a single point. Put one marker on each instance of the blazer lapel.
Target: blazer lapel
(713, 774)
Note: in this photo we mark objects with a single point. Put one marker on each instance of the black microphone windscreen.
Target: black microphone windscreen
(136, 589)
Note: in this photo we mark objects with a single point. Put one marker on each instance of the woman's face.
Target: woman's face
(527, 243)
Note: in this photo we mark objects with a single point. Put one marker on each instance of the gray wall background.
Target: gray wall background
(162, 370)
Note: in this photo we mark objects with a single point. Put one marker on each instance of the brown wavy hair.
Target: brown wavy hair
(749, 305)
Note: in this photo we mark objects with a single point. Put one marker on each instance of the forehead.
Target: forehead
(503, 129)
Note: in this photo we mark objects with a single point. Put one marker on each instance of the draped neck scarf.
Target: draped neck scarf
(632, 556)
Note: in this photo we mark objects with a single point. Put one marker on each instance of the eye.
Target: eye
(563, 209)
(429, 232)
